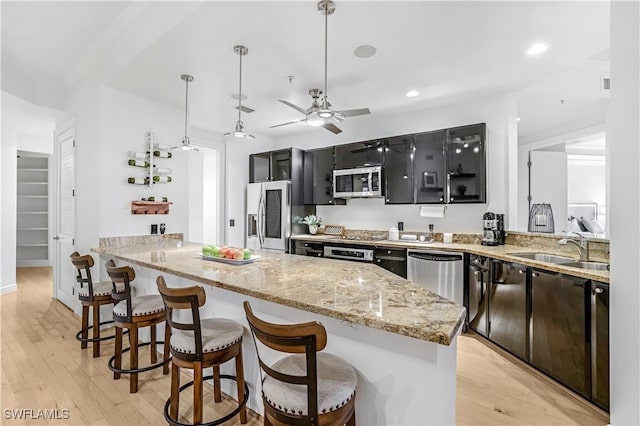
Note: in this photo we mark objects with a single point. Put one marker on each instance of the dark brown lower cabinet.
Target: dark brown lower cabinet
(600, 344)
(555, 322)
(508, 307)
(560, 329)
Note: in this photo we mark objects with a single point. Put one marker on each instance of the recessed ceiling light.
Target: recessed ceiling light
(365, 51)
(517, 118)
(412, 93)
(235, 96)
(537, 49)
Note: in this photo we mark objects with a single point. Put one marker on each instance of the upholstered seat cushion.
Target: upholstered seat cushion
(99, 289)
(141, 305)
(217, 334)
(336, 384)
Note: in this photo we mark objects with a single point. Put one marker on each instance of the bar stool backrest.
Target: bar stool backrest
(184, 298)
(83, 263)
(307, 338)
(121, 275)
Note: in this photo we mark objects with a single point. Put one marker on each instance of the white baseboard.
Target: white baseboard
(6, 289)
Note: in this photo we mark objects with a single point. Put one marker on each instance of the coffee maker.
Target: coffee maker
(490, 233)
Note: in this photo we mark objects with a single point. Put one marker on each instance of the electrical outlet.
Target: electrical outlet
(232, 222)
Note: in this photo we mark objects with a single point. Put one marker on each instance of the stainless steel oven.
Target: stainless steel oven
(349, 252)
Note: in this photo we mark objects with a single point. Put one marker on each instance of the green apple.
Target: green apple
(246, 254)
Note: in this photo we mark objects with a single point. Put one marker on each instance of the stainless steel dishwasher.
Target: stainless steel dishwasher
(438, 271)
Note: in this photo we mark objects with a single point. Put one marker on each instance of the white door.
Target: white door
(64, 228)
(548, 184)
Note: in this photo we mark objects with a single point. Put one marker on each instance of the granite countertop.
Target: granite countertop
(503, 252)
(360, 293)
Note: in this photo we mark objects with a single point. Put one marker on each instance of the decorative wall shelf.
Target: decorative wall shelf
(150, 207)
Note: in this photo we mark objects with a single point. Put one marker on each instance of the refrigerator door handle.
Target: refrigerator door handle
(261, 220)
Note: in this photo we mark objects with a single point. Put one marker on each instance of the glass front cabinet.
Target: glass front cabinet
(466, 164)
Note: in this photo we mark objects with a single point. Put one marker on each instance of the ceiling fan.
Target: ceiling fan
(320, 112)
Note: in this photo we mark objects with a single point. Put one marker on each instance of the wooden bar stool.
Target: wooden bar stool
(201, 343)
(91, 296)
(134, 313)
(328, 394)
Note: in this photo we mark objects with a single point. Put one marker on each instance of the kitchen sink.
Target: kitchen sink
(543, 257)
(594, 266)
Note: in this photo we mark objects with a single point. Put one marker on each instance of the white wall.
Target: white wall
(28, 127)
(623, 134)
(373, 213)
(124, 120)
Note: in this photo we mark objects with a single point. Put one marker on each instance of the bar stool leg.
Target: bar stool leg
(167, 346)
(133, 363)
(154, 349)
(217, 396)
(175, 391)
(117, 363)
(352, 420)
(96, 330)
(240, 383)
(197, 393)
(85, 326)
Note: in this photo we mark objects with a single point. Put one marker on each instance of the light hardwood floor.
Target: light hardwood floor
(42, 367)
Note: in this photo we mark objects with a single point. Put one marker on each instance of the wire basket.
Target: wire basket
(541, 218)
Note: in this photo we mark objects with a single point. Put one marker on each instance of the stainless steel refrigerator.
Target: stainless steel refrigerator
(269, 215)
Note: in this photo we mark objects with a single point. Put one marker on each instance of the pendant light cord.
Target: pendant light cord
(240, 89)
(186, 110)
(326, 20)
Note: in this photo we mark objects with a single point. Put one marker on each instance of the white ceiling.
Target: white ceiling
(449, 51)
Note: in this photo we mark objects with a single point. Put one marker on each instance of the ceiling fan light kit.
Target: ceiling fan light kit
(239, 133)
(320, 112)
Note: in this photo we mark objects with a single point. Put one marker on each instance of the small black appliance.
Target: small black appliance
(490, 229)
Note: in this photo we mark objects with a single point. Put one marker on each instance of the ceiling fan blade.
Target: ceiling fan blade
(332, 128)
(244, 109)
(296, 107)
(289, 122)
(355, 112)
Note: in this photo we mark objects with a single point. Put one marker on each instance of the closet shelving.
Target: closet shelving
(32, 238)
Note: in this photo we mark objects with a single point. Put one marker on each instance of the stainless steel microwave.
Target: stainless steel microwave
(358, 182)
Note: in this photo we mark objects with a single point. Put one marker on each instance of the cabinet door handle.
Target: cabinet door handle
(378, 260)
(598, 290)
(476, 273)
(522, 271)
(535, 274)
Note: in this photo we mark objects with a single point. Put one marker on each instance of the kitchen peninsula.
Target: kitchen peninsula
(400, 338)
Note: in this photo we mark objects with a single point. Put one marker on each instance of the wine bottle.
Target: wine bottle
(138, 155)
(138, 181)
(162, 154)
(162, 179)
(162, 146)
(162, 170)
(138, 163)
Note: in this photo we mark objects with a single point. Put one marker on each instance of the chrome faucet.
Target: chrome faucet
(582, 246)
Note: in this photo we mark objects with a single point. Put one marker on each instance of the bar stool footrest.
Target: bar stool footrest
(79, 337)
(216, 422)
(137, 370)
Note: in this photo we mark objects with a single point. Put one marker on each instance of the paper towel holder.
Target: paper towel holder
(433, 211)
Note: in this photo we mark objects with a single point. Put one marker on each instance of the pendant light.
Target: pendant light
(186, 143)
(239, 133)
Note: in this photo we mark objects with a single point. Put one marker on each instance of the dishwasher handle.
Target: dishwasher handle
(436, 257)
